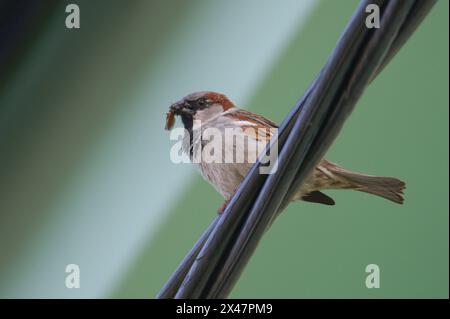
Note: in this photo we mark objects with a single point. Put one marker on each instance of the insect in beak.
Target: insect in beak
(170, 119)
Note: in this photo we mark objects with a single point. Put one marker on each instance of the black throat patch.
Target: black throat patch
(188, 123)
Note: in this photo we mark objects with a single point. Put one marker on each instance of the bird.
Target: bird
(205, 111)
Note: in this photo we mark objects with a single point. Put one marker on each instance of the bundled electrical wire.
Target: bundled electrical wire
(214, 264)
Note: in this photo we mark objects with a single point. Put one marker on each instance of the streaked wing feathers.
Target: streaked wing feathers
(255, 126)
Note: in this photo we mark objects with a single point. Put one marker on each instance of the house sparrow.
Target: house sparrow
(215, 111)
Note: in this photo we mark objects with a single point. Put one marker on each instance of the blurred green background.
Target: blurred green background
(85, 174)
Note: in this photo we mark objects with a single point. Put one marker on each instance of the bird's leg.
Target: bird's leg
(222, 208)
(225, 204)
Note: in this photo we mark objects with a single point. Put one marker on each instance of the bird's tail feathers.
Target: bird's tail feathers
(387, 187)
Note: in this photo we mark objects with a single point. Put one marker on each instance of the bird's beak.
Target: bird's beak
(180, 108)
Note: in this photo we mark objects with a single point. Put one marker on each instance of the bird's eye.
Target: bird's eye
(201, 102)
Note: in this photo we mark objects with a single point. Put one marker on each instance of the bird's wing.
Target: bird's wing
(253, 125)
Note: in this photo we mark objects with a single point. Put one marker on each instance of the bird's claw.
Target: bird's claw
(223, 207)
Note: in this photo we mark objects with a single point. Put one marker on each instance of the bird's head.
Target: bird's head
(200, 106)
